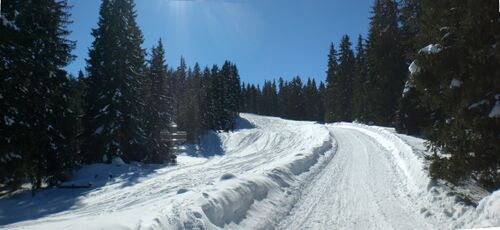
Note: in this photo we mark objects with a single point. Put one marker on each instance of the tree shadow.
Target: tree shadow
(242, 123)
(24, 207)
(210, 145)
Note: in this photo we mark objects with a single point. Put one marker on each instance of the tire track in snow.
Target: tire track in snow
(359, 189)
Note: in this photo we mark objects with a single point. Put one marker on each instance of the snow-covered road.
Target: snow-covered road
(270, 173)
(359, 189)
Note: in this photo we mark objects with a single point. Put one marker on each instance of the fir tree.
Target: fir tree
(113, 122)
(386, 64)
(158, 104)
(345, 78)
(458, 82)
(37, 129)
(359, 84)
(331, 92)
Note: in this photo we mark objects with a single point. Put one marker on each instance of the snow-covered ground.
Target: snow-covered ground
(269, 173)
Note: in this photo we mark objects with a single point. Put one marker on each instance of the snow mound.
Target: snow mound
(488, 211)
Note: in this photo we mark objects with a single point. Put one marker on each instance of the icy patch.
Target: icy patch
(431, 49)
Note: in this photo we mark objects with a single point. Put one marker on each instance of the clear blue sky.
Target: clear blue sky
(266, 38)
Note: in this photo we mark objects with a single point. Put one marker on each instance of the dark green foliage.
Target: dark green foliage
(39, 120)
(113, 123)
(291, 100)
(194, 96)
(459, 83)
(209, 99)
(345, 78)
(158, 108)
(359, 84)
(386, 64)
(269, 99)
(332, 93)
(340, 79)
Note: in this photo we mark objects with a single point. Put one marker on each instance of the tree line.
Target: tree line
(288, 99)
(53, 122)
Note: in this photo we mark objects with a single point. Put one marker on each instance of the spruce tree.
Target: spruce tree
(359, 84)
(158, 104)
(178, 86)
(345, 78)
(193, 97)
(458, 81)
(37, 129)
(386, 64)
(331, 92)
(113, 121)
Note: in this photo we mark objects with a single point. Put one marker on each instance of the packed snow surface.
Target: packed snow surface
(269, 173)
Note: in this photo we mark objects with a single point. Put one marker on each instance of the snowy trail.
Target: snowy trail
(359, 189)
(257, 163)
(269, 174)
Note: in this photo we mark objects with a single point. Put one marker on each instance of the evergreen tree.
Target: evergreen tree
(345, 78)
(331, 92)
(359, 85)
(295, 103)
(38, 129)
(113, 122)
(193, 96)
(312, 101)
(457, 79)
(321, 102)
(269, 99)
(179, 88)
(158, 104)
(386, 64)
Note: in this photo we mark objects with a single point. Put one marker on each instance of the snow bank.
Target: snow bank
(488, 211)
(410, 164)
(255, 201)
(440, 203)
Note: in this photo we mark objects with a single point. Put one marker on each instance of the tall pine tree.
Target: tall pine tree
(113, 121)
(331, 92)
(37, 128)
(386, 63)
(158, 107)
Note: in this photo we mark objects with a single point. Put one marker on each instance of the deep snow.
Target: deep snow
(269, 173)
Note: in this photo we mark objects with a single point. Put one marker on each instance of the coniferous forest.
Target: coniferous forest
(422, 69)
(53, 122)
